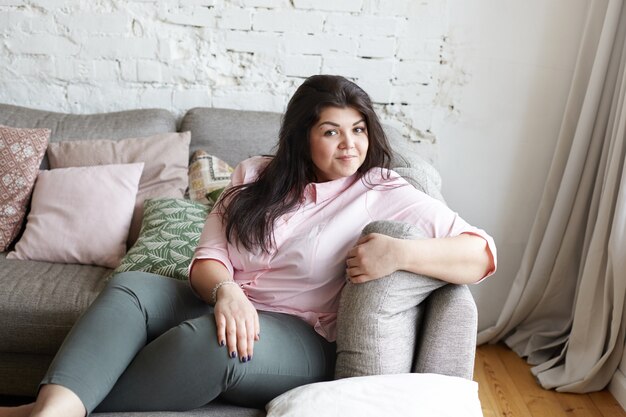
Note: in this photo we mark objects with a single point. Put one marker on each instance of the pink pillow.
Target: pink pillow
(80, 215)
(166, 158)
(21, 152)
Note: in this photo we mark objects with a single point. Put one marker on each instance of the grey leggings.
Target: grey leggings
(148, 343)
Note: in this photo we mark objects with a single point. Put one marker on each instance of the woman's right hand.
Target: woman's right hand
(237, 322)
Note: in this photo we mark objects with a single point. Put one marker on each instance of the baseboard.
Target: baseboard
(617, 387)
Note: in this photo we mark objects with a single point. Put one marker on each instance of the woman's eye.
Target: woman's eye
(359, 129)
(330, 133)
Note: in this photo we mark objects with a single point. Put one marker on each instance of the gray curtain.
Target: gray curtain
(565, 310)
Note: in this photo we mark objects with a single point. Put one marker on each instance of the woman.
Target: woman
(259, 318)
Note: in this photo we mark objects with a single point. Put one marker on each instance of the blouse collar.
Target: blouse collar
(317, 192)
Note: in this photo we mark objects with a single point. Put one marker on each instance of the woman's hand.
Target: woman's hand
(374, 256)
(237, 322)
(236, 318)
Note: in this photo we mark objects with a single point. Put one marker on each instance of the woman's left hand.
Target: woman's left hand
(374, 256)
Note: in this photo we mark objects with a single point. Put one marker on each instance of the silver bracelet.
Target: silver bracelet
(217, 287)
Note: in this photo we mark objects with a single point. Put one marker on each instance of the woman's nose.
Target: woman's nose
(347, 141)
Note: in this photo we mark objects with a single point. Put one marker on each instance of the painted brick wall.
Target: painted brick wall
(103, 55)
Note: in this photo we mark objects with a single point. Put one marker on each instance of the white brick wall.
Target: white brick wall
(85, 57)
(330, 5)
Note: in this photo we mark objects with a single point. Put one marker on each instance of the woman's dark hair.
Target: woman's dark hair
(250, 210)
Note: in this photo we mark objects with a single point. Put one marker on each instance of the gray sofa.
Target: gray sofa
(40, 301)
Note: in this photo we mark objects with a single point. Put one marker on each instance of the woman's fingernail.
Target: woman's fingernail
(244, 359)
(233, 354)
(222, 343)
(249, 358)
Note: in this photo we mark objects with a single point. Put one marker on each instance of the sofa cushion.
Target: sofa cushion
(22, 373)
(165, 156)
(214, 409)
(208, 175)
(21, 151)
(41, 301)
(80, 215)
(170, 232)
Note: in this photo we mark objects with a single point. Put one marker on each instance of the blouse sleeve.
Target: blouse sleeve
(213, 243)
(402, 202)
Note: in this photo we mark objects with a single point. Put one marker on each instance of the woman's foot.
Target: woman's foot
(19, 411)
(53, 400)
(56, 400)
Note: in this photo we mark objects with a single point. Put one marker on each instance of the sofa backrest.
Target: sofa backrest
(234, 135)
(231, 135)
(116, 125)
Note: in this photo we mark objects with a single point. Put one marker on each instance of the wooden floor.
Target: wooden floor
(508, 389)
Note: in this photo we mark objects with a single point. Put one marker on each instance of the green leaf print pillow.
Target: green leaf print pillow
(170, 232)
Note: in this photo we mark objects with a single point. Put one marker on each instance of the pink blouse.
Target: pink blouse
(305, 272)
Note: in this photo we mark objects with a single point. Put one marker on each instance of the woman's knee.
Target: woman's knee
(196, 341)
(200, 334)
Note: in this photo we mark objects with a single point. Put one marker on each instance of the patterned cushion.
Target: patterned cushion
(21, 152)
(208, 175)
(169, 235)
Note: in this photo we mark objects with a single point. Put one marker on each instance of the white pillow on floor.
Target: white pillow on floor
(401, 395)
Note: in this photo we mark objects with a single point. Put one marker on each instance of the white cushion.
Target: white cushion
(401, 395)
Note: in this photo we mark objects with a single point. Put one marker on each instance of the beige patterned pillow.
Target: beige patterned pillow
(208, 175)
(21, 152)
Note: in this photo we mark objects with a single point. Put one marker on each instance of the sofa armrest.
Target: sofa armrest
(412, 167)
(447, 341)
(378, 320)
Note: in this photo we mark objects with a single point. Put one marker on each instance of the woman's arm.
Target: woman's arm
(205, 275)
(236, 318)
(462, 259)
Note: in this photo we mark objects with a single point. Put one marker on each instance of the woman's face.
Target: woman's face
(338, 143)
